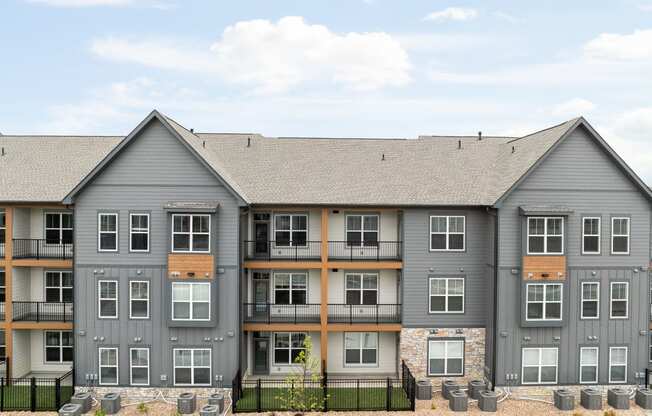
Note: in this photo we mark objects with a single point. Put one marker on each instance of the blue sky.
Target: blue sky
(346, 68)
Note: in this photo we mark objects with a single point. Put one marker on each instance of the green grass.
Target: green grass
(18, 397)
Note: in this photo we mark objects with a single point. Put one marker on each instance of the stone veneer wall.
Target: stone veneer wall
(414, 350)
(139, 394)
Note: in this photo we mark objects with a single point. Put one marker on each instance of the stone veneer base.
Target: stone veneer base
(135, 394)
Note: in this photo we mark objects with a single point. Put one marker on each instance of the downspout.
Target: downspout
(494, 351)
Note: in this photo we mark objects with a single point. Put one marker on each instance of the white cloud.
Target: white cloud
(452, 13)
(615, 46)
(506, 16)
(573, 108)
(96, 3)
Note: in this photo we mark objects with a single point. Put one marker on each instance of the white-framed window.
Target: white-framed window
(620, 235)
(191, 301)
(591, 235)
(545, 235)
(445, 357)
(108, 366)
(139, 232)
(539, 366)
(192, 367)
(107, 298)
(589, 365)
(617, 364)
(191, 233)
(287, 346)
(447, 232)
(360, 348)
(590, 300)
(290, 288)
(58, 228)
(139, 299)
(361, 230)
(58, 286)
(58, 346)
(446, 295)
(291, 230)
(139, 366)
(107, 231)
(544, 301)
(619, 300)
(361, 288)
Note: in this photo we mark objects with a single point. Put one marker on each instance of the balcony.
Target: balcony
(311, 250)
(376, 250)
(364, 314)
(269, 313)
(2, 311)
(28, 248)
(42, 311)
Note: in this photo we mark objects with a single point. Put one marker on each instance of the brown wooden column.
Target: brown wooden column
(324, 289)
(9, 253)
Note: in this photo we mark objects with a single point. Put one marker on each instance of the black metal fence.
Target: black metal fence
(42, 311)
(379, 313)
(29, 248)
(376, 250)
(35, 394)
(282, 250)
(274, 313)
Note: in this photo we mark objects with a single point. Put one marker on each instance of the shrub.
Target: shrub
(100, 412)
(142, 408)
(610, 412)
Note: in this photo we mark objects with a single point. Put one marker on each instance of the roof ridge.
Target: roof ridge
(76, 136)
(574, 120)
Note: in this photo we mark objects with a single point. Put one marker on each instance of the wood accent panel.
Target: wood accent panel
(42, 325)
(364, 328)
(282, 327)
(301, 265)
(191, 265)
(544, 267)
(47, 263)
(365, 265)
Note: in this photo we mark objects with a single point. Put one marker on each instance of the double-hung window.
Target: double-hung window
(107, 232)
(446, 295)
(139, 232)
(619, 299)
(590, 300)
(290, 288)
(191, 301)
(58, 346)
(107, 291)
(617, 364)
(139, 366)
(361, 288)
(539, 366)
(589, 365)
(545, 235)
(360, 348)
(361, 230)
(58, 228)
(192, 367)
(58, 286)
(447, 233)
(591, 235)
(191, 233)
(108, 366)
(291, 230)
(620, 235)
(139, 299)
(445, 357)
(544, 301)
(287, 346)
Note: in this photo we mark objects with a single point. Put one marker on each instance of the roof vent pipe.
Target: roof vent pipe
(513, 149)
(203, 144)
(192, 130)
(459, 144)
(3, 151)
(383, 158)
(248, 141)
(479, 135)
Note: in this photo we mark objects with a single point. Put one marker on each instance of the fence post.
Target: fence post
(324, 381)
(357, 394)
(388, 396)
(376, 313)
(32, 394)
(57, 393)
(258, 396)
(38, 311)
(2, 394)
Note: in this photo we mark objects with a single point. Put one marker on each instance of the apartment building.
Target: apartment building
(523, 260)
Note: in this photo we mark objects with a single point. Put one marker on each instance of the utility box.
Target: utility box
(424, 390)
(618, 398)
(488, 401)
(84, 400)
(110, 403)
(644, 398)
(475, 387)
(591, 399)
(447, 386)
(458, 401)
(563, 399)
(186, 403)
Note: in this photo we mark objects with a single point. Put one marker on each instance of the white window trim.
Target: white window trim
(131, 367)
(133, 231)
(545, 236)
(291, 229)
(61, 228)
(60, 346)
(447, 295)
(191, 301)
(545, 301)
(117, 365)
(100, 232)
(191, 233)
(61, 287)
(628, 235)
(290, 289)
(447, 233)
(289, 348)
(446, 357)
(192, 366)
(362, 230)
(131, 299)
(582, 300)
(361, 364)
(599, 235)
(597, 365)
(100, 298)
(540, 350)
(361, 290)
(611, 300)
(610, 363)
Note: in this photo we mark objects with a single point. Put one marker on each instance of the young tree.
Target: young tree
(304, 392)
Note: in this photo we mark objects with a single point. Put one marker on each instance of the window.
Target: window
(447, 233)
(3, 345)
(361, 230)
(589, 365)
(139, 232)
(290, 288)
(591, 235)
(617, 364)
(192, 367)
(619, 300)
(58, 346)
(138, 299)
(291, 229)
(620, 235)
(590, 300)
(191, 233)
(191, 301)
(58, 286)
(108, 298)
(544, 301)
(446, 295)
(109, 366)
(108, 232)
(139, 366)
(361, 348)
(287, 346)
(539, 366)
(361, 288)
(3, 227)
(445, 358)
(2, 286)
(545, 235)
(58, 228)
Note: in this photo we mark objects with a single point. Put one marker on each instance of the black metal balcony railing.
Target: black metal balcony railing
(42, 311)
(352, 314)
(377, 250)
(29, 248)
(2, 311)
(268, 313)
(276, 250)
